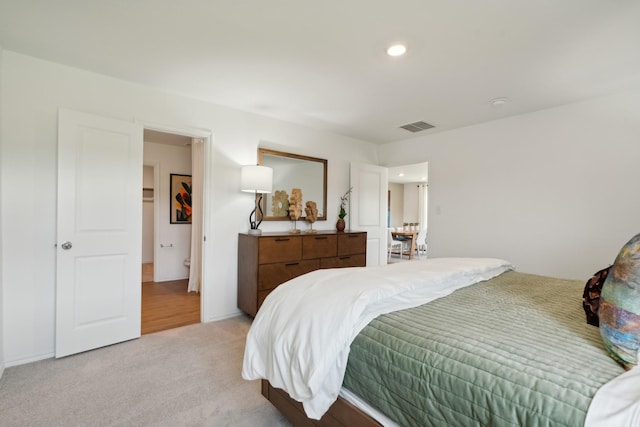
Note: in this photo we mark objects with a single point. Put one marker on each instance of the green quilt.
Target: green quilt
(512, 351)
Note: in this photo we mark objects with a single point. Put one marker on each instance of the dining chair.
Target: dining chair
(393, 245)
(421, 242)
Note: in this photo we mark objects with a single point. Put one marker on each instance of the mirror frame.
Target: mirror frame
(323, 162)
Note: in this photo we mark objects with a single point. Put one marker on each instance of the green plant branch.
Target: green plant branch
(343, 202)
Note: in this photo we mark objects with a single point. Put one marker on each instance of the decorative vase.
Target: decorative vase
(340, 225)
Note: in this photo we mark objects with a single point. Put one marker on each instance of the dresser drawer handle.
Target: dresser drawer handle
(282, 240)
(290, 264)
(353, 236)
(345, 257)
(321, 238)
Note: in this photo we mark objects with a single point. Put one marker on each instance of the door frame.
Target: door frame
(207, 136)
(156, 204)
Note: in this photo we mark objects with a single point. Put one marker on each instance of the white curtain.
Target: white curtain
(197, 179)
(422, 205)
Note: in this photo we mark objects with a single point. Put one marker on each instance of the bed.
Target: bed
(453, 341)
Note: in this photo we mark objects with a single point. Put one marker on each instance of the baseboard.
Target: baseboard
(28, 360)
(171, 280)
(224, 316)
(51, 355)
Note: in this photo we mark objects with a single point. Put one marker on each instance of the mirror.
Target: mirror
(309, 174)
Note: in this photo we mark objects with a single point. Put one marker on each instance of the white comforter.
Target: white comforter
(300, 338)
(617, 403)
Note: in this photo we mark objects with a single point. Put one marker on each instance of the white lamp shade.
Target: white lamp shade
(256, 179)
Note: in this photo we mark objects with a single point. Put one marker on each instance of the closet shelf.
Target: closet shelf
(147, 194)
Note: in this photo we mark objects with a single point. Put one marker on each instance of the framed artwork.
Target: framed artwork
(180, 200)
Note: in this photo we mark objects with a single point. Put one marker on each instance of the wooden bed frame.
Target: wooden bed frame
(341, 413)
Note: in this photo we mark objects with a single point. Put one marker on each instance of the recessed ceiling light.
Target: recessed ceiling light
(401, 174)
(397, 50)
(498, 102)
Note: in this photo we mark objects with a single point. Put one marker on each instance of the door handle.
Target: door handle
(66, 245)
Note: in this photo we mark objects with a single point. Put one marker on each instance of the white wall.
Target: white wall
(1, 221)
(173, 244)
(397, 204)
(33, 92)
(147, 215)
(555, 191)
(411, 203)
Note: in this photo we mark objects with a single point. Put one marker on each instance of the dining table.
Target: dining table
(407, 233)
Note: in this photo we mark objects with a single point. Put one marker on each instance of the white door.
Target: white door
(99, 222)
(368, 206)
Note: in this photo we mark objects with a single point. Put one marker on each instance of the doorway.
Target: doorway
(148, 238)
(408, 202)
(98, 280)
(167, 237)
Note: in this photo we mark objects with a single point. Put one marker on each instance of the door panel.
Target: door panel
(368, 205)
(98, 291)
(100, 294)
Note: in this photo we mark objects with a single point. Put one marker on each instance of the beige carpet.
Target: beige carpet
(188, 376)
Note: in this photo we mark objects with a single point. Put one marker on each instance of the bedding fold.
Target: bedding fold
(300, 339)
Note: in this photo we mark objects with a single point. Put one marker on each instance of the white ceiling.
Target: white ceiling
(409, 174)
(167, 138)
(323, 64)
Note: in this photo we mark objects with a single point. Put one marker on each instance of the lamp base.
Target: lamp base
(255, 232)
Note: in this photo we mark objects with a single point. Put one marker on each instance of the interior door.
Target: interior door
(99, 220)
(368, 206)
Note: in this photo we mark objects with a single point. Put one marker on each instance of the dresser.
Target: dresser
(266, 261)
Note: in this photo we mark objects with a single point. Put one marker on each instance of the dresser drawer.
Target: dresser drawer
(271, 275)
(359, 260)
(279, 249)
(351, 243)
(319, 246)
(265, 261)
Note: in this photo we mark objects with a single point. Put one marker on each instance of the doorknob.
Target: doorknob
(66, 245)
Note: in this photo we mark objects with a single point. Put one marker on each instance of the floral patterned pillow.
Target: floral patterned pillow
(620, 306)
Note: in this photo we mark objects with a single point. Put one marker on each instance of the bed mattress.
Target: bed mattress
(511, 351)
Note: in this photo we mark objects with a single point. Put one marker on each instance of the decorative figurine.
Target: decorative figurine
(295, 208)
(311, 210)
(280, 203)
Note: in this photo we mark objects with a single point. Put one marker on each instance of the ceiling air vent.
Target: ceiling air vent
(417, 126)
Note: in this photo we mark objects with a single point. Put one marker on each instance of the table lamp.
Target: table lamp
(258, 180)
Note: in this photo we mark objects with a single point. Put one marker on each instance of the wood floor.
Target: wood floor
(167, 305)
